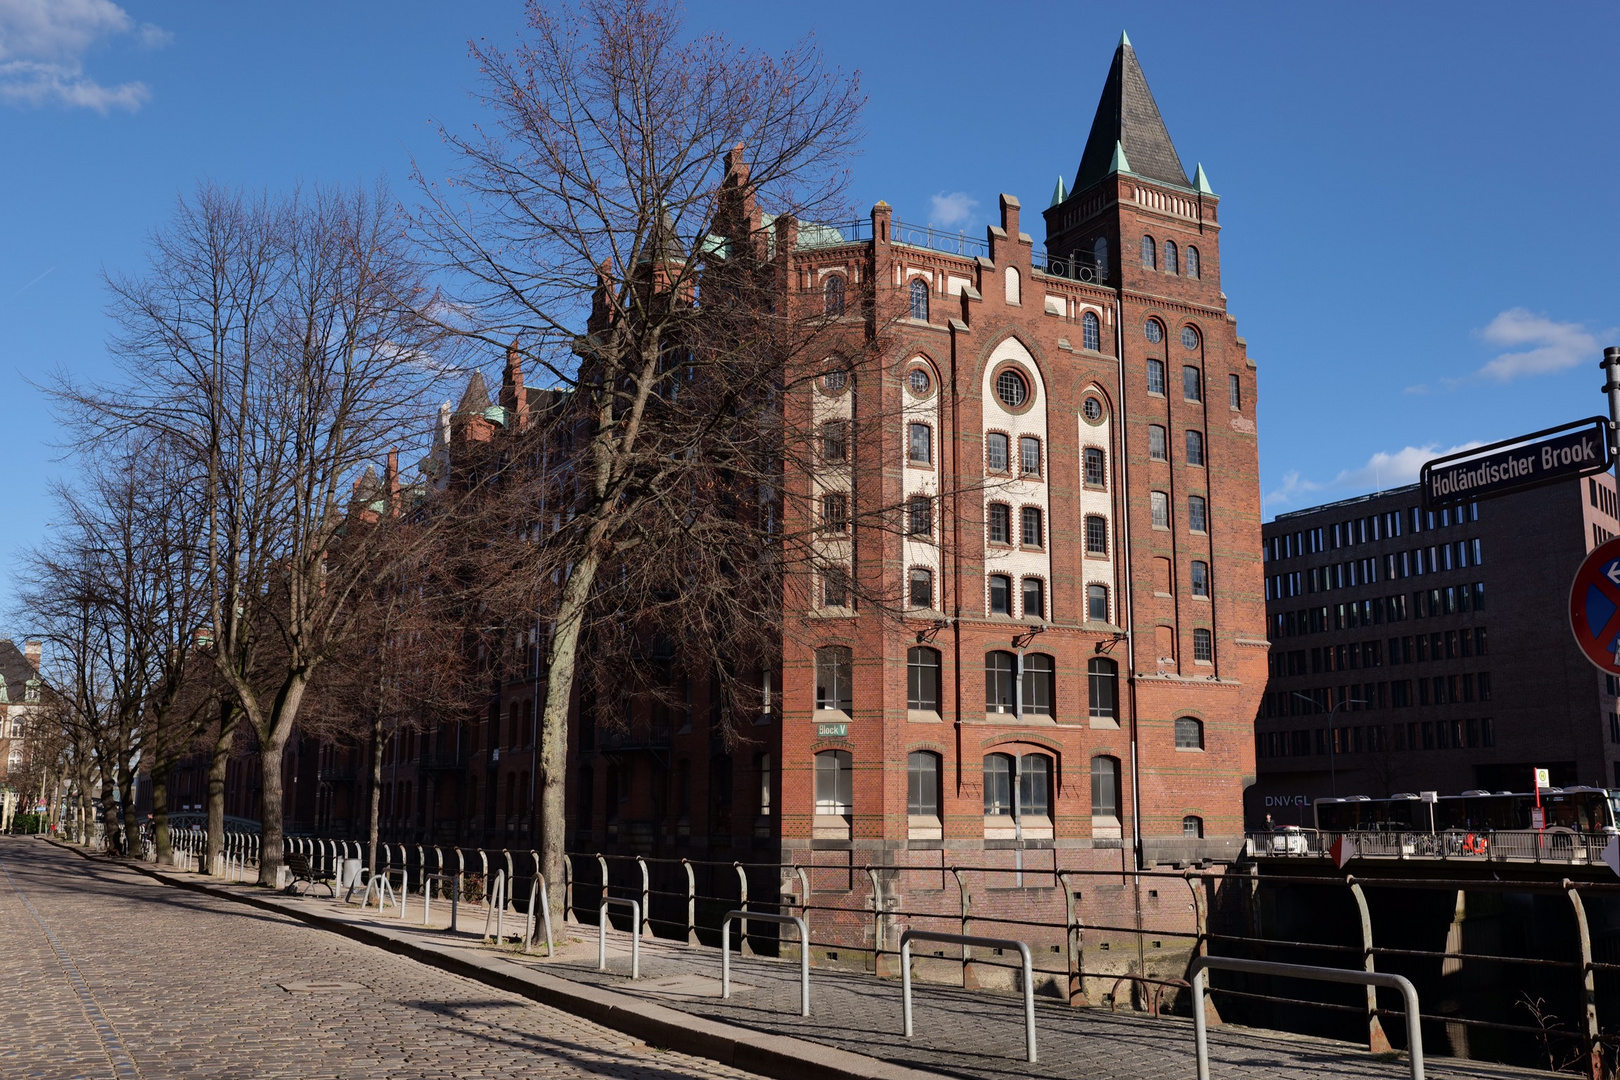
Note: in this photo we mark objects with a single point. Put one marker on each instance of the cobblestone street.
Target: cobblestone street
(107, 973)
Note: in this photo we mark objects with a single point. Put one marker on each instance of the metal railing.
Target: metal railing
(635, 934)
(786, 920)
(1205, 964)
(1554, 845)
(965, 940)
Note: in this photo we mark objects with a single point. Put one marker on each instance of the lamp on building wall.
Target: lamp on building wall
(1021, 641)
(1333, 773)
(926, 636)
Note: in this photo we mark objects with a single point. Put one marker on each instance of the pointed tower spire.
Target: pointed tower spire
(1201, 182)
(1124, 40)
(1128, 126)
(1059, 193)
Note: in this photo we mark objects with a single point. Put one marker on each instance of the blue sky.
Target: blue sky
(1418, 206)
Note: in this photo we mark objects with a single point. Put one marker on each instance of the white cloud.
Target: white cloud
(1552, 346)
(43, 45)
(952, 208)
(1419, 388)
(1382, 471)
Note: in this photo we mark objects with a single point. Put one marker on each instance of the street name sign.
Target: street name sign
(1594, 607)
(1542, 457)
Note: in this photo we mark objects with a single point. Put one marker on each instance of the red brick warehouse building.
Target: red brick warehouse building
(1073, 437)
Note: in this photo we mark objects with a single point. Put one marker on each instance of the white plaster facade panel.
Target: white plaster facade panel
(1056, 305)
(831, 477)
(1099, 502)
(1016, 560)
(921, 552)
(954, 285)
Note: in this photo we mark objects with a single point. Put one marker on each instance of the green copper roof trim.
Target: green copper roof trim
(1201, 182)
(1058, 193)
(1124, 38)
(1120, 162)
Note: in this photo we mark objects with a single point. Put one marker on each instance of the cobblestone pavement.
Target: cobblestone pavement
(107, 973)
(978, 1035)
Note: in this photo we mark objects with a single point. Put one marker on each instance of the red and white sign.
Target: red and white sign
(1594, 606)
(1342, 850)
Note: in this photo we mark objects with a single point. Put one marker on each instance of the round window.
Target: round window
(1011, 389)
(917, 378)
(1093, 409)
(1189, 338)
(1154, 331)
(834, 381)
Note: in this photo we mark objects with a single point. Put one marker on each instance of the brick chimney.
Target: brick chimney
(513, 396)
(31, 653)
(391, 481)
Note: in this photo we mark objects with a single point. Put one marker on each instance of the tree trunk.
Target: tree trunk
(554, 730)
(271, 816)
(160, 811)
(126, 788)
(374, 811)
(218, 769)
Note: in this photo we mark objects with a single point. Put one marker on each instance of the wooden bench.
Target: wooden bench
(298, 864)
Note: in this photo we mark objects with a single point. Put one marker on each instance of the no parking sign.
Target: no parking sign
(1594, 606)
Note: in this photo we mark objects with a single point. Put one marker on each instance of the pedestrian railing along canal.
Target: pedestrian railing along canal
(1078, 925)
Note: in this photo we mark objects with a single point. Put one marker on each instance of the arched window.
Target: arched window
(1203, 646)
(1189, 733)
(1034, 597)
(1153, 330)
(1040, 682)
(835, 783)
(1099, 254)
(1013, 291)
(920, 515)
(1103, 676)
(919, 299)
(1000, 594)
(833, 295)
(1105, 787)
(1192, 827)
(1170, 265)
(1097, 603)
(1096, 534)
(1148, 260)
(1000, 694)
(998, 785)
(922, 679)
(1090, 331)
(921, 587)
(1034, 786)
(1195, 447)
(1031, 534)
(922, 784)
(920, 444)
(1192, 261)
(834, 675)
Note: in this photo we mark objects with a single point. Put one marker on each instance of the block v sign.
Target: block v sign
(1594, 606)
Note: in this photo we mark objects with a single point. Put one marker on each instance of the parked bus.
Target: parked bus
(1577, 809)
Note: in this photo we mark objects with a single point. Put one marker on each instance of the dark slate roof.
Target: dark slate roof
(1128, 115)
(16, 669)
(476, 399)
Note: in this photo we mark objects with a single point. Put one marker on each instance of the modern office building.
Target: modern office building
(1430, 650)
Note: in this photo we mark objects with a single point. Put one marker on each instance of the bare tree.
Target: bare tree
(280, 343)
(648, 188)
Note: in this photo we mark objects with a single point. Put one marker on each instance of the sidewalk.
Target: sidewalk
(854, 1027)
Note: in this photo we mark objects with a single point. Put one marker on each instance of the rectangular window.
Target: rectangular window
(1034, 785)
(835, 587)
(1234, 392)
(1029, 455)
(922, 784)
(1200, 579)
(1000, 594)
(1197, 514)
(1192, 383)
(1195, 447)
(1155, 377)
(1096, 535)
(1030, 520)
(922, 588)
(764, 764)
(834, 678)
(1097, 603)
(1159, 503)
(1096, 474)
(921, 443)
(1484, 681)
(995, 452)
(920, 515)
(1034, 598)
(835, 783)
(922, 680)
(998, 525)
(834, 441)
(998, 781)
(835, 512)
(1158, 447)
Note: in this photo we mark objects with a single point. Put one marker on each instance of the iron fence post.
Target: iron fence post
(1377, 1041)
(1594, 1044)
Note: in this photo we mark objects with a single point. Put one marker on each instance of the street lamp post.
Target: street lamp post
(1333, 772)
